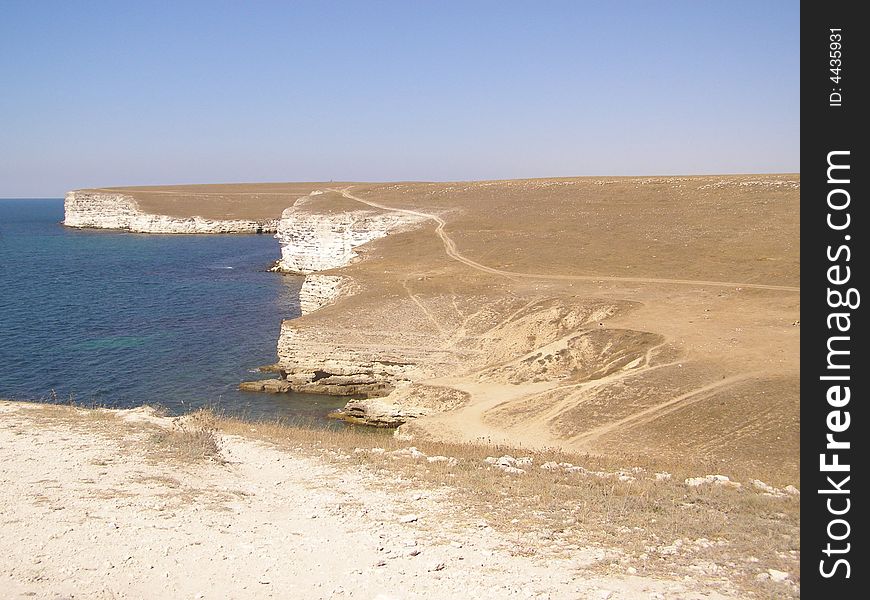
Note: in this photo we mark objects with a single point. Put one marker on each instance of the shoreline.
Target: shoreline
(436, 302)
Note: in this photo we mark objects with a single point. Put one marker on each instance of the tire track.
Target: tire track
(452, 251)
(653, 412)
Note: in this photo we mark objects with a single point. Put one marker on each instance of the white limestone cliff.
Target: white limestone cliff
(312, 241)
(104, 210)
(98, 210)
(343, 362)
(322, 290)
(325, 359)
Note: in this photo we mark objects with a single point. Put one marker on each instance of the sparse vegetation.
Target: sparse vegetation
(190, 439)
(639, 519)
(661, 525)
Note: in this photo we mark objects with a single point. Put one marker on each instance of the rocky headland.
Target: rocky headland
(102, 210)
(627, 315)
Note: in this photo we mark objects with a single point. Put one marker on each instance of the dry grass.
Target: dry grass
(734, 350)
(657, 527)
(218, 201)
(188, 440)
(663, 527)
(186, 443)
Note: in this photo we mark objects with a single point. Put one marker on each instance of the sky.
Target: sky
(136, 93)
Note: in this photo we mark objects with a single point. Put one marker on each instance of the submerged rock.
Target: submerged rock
(274, 386)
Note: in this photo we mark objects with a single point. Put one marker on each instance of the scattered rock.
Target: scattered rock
(671, 549)
(439, 566)
(512, 470)
(410, 452)
(711, 479)
(272, 386)
(767, 490)
(777, 575)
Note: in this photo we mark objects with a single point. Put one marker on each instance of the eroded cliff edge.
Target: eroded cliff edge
(322, 232)
(107, 210)
(626, 315)
(603, 315)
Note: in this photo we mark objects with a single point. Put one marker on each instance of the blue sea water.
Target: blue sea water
(121, 319)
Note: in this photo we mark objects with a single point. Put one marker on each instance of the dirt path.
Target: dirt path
(87, 512)
(653, 412)
(453, 252)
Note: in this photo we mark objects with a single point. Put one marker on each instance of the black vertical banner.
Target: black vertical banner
(834, 339)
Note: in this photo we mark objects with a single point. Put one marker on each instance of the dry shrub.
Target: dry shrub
(190, 439)
(558, 511)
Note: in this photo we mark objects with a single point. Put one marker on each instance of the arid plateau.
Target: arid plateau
(623, 331)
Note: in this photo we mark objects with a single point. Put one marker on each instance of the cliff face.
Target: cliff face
(101, 210)
(322, 290)
(334, 360)
(350, 362)
(98, 210)
(312, 242)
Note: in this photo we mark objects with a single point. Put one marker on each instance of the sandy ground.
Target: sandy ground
(694, 353)
(87, 510)
(697, 357)
(218, 201)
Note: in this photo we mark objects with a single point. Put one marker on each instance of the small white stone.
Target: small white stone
(512, 470)
(777, 575)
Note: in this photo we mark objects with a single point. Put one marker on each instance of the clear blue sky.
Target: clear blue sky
(112, 93)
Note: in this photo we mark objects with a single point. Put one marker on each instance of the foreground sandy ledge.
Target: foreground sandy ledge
(129, 504)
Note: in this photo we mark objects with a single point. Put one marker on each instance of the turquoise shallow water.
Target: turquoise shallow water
(122, 320)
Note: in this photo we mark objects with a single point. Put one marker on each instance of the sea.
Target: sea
(121, 320)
